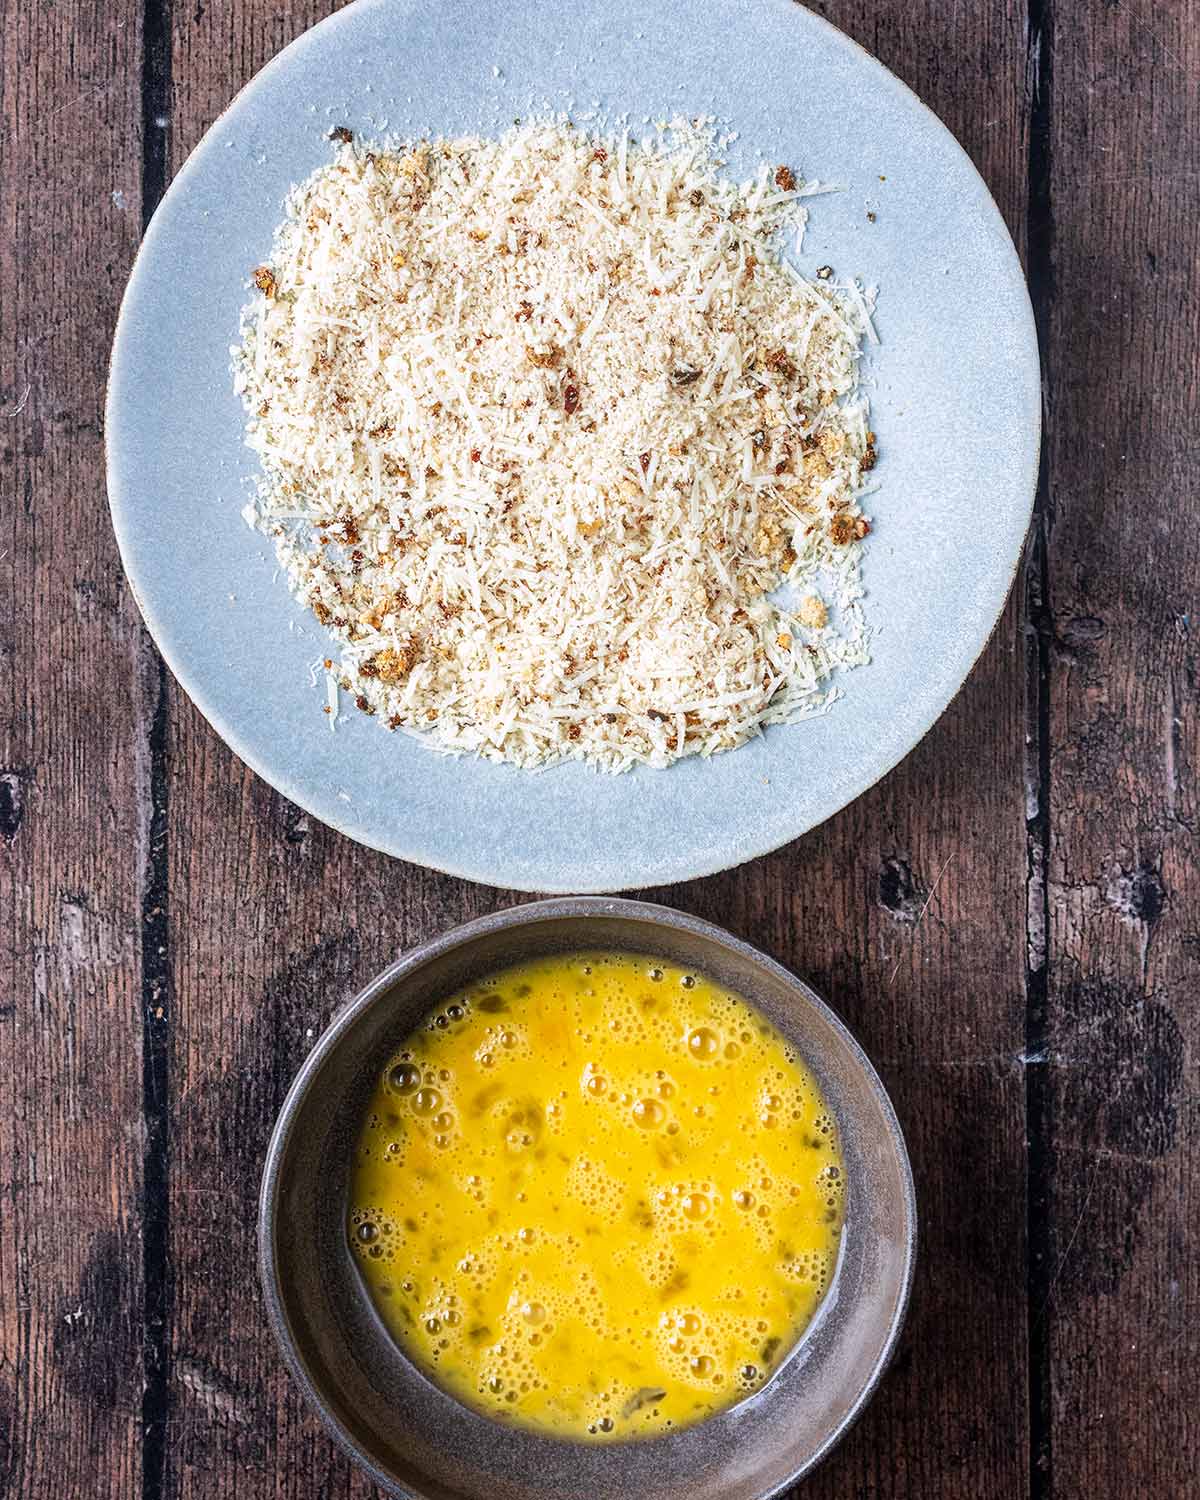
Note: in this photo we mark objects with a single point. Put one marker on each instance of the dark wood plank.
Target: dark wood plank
(1120, 1297)
(255, 980)
(907, 910)
(72, 811)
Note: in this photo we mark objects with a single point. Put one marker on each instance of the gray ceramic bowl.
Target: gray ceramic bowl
(413, 1438)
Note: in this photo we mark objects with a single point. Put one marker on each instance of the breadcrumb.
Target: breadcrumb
(550, 436)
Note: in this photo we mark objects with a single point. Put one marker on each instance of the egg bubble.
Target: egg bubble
(404, 1078)
(703, 1043)
(648, 1113)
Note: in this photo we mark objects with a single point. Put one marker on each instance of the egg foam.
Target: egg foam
(597, 1194)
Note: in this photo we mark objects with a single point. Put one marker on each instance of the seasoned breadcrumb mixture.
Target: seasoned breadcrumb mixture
(558, 447)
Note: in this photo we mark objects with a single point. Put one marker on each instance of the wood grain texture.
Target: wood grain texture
(1008, 921)
(255, 981)
(907, 910)
(71, 656)
(1122, 1284)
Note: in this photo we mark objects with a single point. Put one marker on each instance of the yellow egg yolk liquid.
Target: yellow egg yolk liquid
(598, 1195)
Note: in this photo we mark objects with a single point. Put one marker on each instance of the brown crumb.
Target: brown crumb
(389, 665)
(264, 280)
(778, 362)
(785, 179)
(824, 272)
(544, 360)
(841, 529)
(341, 134)
(571, 400)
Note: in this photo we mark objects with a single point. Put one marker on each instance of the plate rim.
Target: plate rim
(480, 870)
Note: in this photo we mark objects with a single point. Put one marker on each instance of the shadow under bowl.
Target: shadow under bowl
(415, 1439)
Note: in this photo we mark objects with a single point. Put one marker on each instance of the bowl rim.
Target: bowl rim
(528, 913)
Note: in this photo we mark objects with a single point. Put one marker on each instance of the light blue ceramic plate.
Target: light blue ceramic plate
(955, 402)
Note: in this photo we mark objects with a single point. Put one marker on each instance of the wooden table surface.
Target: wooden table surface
(1009, 921)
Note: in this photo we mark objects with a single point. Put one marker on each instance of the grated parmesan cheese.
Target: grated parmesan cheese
(558, 448)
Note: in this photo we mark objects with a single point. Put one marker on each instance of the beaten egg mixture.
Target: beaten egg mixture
(597, 1194)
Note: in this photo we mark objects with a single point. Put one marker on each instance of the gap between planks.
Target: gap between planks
(154, 876)
(1039, 232)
